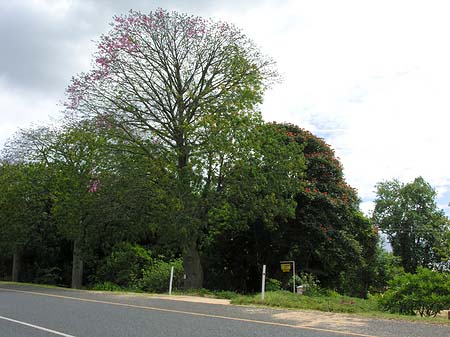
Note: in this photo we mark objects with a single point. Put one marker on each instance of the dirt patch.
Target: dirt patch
(195, 299)
(444, 314)
(323, 320)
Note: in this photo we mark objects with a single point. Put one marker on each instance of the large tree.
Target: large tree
(415, 227)
(257, 198)
(164, 83)
(328, 236)
(24, 209)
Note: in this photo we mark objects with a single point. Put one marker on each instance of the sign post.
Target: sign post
(286, 268)
(263, 285)
(171, 281)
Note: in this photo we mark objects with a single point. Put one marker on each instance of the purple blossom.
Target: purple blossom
(94, 185)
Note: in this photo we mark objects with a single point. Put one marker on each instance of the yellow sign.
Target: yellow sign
(285, 267)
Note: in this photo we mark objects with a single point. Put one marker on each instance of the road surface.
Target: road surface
(29, 311)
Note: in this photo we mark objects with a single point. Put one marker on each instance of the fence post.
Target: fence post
(263, 285)
(171, 281)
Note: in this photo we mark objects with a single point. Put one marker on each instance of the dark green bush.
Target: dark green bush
(107, 286)
(272, 284)
(50, 276)
(156, 277)
(427, 292)
(124, 266)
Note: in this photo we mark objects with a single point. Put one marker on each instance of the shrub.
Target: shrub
(309, 281)
(50, 276)
(156, 277)
(426, 293)
(125, 264)
(272, 284)
(107, 286)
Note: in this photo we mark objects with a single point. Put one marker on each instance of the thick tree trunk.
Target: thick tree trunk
(192, 267)
(77, 266)
(191, 258)
(17, 263)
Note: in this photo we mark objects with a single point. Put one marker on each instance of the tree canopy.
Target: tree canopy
(415, 227)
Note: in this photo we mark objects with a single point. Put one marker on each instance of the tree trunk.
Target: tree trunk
(17, 263)
(77, 266)
(192, 267)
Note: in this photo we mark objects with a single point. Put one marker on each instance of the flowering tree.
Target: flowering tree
(163, 83)
(329, 236)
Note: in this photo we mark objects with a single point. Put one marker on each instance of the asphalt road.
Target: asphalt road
(34, 311)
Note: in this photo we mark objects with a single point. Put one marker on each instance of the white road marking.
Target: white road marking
(36, 327)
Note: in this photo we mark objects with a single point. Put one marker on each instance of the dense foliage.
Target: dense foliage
(427, 292)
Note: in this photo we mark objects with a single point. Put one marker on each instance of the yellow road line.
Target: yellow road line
(191, 313)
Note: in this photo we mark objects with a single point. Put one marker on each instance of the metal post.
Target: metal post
(171, 281)
(263, 285)
(293, 274)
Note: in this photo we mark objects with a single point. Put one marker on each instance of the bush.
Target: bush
(272, 284)
(107, 286)
(125, 264)
(50, 276)
(309, 281)
(426, 293)
(156, 277)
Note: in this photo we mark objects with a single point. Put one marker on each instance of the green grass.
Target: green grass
(330, 302)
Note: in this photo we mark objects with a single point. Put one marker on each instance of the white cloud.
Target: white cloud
(21, 109)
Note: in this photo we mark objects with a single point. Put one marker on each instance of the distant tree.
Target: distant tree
(415, 227)
(165, 83)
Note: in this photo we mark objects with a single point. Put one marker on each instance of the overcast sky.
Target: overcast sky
(370, 77)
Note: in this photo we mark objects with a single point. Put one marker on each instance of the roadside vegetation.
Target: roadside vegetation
(162, 159)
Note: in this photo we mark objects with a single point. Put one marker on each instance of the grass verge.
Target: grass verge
(329, 303)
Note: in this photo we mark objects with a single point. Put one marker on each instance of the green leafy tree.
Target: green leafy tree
(415, 227)
(257, 195)
(163, 83)
(24, 212)
(73, 156)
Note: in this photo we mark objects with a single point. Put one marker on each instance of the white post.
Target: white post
(293, 274)
(171, 281)
(263, 285)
